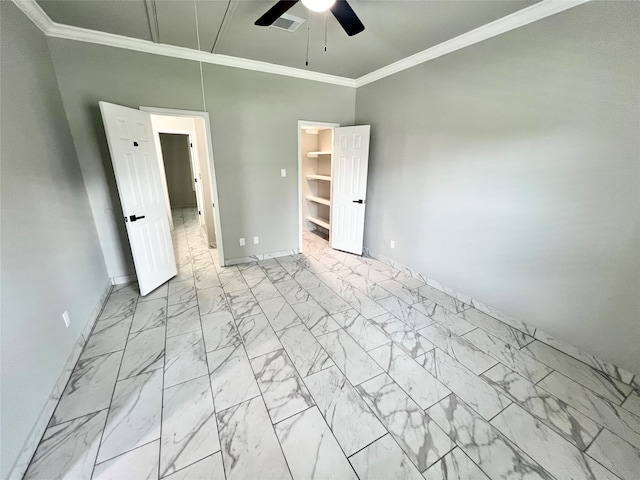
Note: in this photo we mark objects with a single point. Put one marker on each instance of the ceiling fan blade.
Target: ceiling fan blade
(347, 17)
(275, 12)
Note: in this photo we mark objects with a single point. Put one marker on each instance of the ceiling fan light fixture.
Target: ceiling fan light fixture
(318, 5)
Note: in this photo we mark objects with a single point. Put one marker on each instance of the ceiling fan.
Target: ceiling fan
(340, 9)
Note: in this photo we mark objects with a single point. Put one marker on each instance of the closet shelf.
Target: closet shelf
(322, 222)
(322, 200)
(315, 154)
(319, 177)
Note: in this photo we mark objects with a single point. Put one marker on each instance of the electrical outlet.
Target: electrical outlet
(242, 242)
(256, 240)
(392, 244)
(283, 172)
(66, 319)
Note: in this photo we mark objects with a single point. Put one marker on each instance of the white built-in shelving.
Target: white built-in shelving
(316, 172)
(323, 222)
(326, 178)
(316, 154)
(322, 200)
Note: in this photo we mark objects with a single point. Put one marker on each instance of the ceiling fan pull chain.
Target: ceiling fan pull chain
(326, 22)
(308, 35)
(204, 101)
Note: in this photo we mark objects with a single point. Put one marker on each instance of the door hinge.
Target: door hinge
(199, 212)
(195, 180)
(191, 144)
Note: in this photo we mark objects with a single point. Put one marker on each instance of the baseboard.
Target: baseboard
(609, 369)
(31, 443)
(123, 279)
(260, 256)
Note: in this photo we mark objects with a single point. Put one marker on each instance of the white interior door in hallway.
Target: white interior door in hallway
(349, 172)
(134, 157)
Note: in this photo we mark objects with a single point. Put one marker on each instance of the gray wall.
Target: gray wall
(51, 258)
(510, 171)
(254, 131)
(177, 168)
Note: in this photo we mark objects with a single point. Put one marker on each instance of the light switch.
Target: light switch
(283, 172)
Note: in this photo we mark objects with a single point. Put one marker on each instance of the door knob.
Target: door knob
(133, 218)
(358, 201)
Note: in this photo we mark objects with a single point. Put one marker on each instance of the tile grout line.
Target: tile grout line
(215, 412)
(164, 370)
(593, 441)
(115, 384)
(329, 426)
(547, 375)
(256, 380)
(345, 377)
(573, 379)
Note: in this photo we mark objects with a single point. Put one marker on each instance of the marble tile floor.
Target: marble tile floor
(326, 365)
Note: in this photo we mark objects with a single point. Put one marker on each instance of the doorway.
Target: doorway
(315, 147)
(194, 125)
(332, 184)
(179, 171)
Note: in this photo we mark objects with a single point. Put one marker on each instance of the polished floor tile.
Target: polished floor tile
(420, 438)
(329, 365)
(382, 460)
(564, 419)
(189, 430)
(284, 392)
(68, 450)
(250, 447)
(134, 415)
(311, 450)
(455, 465)
(550, 450)
(347, 414)
(140, 463)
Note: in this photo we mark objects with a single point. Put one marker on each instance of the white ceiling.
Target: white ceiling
(394, 30)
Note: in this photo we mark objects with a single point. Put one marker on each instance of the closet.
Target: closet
(333, 164)
(317, 149)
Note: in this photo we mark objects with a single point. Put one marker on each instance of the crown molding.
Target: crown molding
(518, 19)
(102, 38)
(523, 17)
(68, 32)
(35, 13)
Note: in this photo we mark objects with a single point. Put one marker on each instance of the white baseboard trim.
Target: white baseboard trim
(31, 443)
(609, 369)
(260, 256)
(123, 279)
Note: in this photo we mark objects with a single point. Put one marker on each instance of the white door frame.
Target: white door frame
(212, 170)
(302, 123)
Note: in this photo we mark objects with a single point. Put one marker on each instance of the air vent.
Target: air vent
(287, 22)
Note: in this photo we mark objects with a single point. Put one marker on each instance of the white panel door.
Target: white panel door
(135, 163)
(348, 193)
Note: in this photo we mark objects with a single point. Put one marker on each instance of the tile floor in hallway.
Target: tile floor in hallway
(328, 366)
